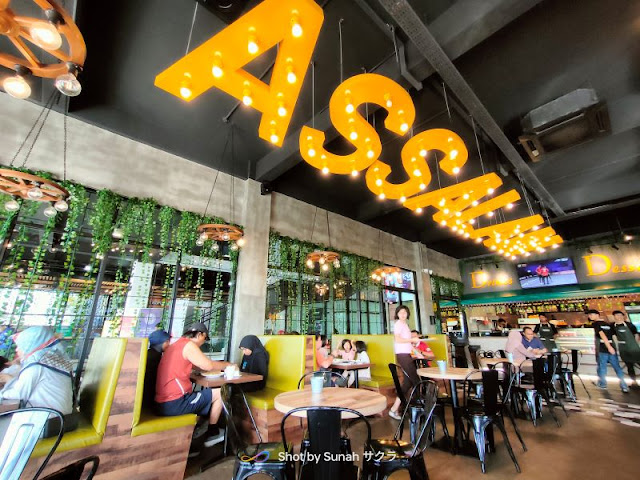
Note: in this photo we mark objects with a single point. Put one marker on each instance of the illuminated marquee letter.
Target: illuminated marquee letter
(414, 163)
(292, 24)
(597, 264)
(343, 109)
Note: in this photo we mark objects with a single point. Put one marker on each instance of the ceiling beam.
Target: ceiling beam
(409, 21)
(464, 25)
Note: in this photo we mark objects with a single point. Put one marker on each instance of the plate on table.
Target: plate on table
(212, 374)
(344, 362)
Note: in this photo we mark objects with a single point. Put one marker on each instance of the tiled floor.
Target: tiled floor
(599, 440)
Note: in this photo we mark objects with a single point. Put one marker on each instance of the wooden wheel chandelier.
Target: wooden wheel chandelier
(382, 272)
(56, 34)
(31, 187)
(221, 232)
(324, 259)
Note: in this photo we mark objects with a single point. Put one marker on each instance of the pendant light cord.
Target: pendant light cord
(328, 228)
(313, 225)
(341, 53)
(55, 99)
(224, 150)
(193, 22)
(46, 106)
(475, 134)
(64, 144)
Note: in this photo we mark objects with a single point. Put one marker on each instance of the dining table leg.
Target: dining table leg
(355, 378)
(457, 421)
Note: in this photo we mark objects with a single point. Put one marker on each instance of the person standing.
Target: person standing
(547, 332)
(174, 390)
(628, 337)
(606, 351)
(402, 346)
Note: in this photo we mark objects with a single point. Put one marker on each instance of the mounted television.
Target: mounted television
(547, 273)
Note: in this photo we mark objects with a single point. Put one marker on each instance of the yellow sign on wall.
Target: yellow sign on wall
(599, 264)
(481, 279)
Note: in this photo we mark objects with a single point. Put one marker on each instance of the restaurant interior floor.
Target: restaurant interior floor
(591, 444)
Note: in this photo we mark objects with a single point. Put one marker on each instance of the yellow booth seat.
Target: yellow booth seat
(381, 354)
(145, 421)
(97, 388)
(286, 366)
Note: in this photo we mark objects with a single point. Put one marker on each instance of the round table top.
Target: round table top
(451, 373)
(364, 401)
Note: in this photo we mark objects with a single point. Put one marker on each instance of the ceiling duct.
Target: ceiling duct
(564, 122)
(226, 10)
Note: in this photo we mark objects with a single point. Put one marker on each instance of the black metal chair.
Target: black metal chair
(482, 415)
(252, 459)
(325, 439)
(385, 456)
(567, 374)
(500, 353)
(507, 378)
(416, 409)
(76, 470)
(331, 378)
(22, 430)
(533, 394)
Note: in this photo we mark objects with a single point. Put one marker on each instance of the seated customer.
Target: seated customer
(174, 391)
(362, 357)
(346, 351)
(531, 341)
(158, 343)
(44, 378)
(323, 359)
(255, 359)
(421, 350)
(517, 349)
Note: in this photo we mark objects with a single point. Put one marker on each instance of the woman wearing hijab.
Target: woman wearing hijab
(45, 378)
(255, 359)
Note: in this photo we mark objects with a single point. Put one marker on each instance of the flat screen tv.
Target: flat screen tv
(547, 273)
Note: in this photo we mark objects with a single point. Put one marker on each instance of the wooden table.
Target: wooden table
(217, 382)
(366, 402)
(352, 366)
(493, 361)
(8, 405)
(453, 375)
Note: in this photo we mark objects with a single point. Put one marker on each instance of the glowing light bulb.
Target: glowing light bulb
(291, 76)
(446, 211)
(555, 245)
(354, 173)
(252, 45)
(296, 28)
(371, 154)
(454, 228)
(325, 170)
(17, 87)
(274, 138)
(417, 173)
(11, 205)
(35, 193)
(443, 223)
(490, 214)
(68, 84)
(479, 239)
(325, 267)
(246, 99)
(472, 221)
(474, 203)
(185, 92)
(216, 70)
(493, 247)
(61, 205)
(282, 111)
(46, 35)
(422, 186)
(378, 182)
(453, 154)
(467, 235)
(442, 202)
(349, 108)
(403, 199)
(490, 191)
(456, 170)
(404, 127)
(465, 196)
(509, 206)
(382, 196)
(50, 211)
(311, 152)
(388, 101)
(419, 210)
(458, 214)
(535, 227)
(309, 263)
(423, 152)
(353, 135)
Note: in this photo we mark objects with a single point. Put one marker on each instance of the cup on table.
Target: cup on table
(442, 365)
(316, 384)
(230, 372)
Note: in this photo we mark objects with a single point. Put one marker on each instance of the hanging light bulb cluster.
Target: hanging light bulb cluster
(293, 25)
(321, 289)
(47, 34)
(22, 185)
(323, 259)
(218, 232)
(382, 273)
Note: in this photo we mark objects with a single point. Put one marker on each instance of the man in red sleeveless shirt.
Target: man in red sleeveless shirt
(174, 390)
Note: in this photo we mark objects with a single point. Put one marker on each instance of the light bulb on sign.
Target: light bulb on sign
(282, 111)
(370, 154)
(353, 135)
(442, 202)
(490, 191)
(423, 152)
(274, 138)
(465, 196)
(216, 70)
(443, 223)
(296, 28)
(45, 35)
(325, 170)
(490, 214)
(509, 206)
(456, 170)
(446, 211)
(378, 182)
(479, 239)
(354, 173)
(312, 153)
(185, 92)
(417, 173)
(422, 186)
(404, 127)
(419, 210)
(17, 87)
(252, 45)
(382, 196)
(291, 76)
(246, 97)
(403, 199)
(474, 203)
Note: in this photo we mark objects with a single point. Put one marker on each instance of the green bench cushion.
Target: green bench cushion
(377, 382)
(150, 423)
(84, 436)
(263, 399)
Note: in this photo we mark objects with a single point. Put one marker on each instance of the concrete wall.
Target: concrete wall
(101, 159)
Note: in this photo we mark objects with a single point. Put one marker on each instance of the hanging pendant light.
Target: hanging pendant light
(50, 211)
(323, 259)
(12, 205)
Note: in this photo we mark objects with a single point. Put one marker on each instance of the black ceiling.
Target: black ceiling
(512, 64)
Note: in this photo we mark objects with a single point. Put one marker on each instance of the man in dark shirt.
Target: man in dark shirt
(627, 336)
(606, 351)
(158, 343)
(547, 332)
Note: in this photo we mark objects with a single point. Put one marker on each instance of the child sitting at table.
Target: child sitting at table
(421, 350)
(362, 357)
(346, 352)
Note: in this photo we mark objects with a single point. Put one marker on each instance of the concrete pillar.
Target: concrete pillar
(423, 287)
(251, 281)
